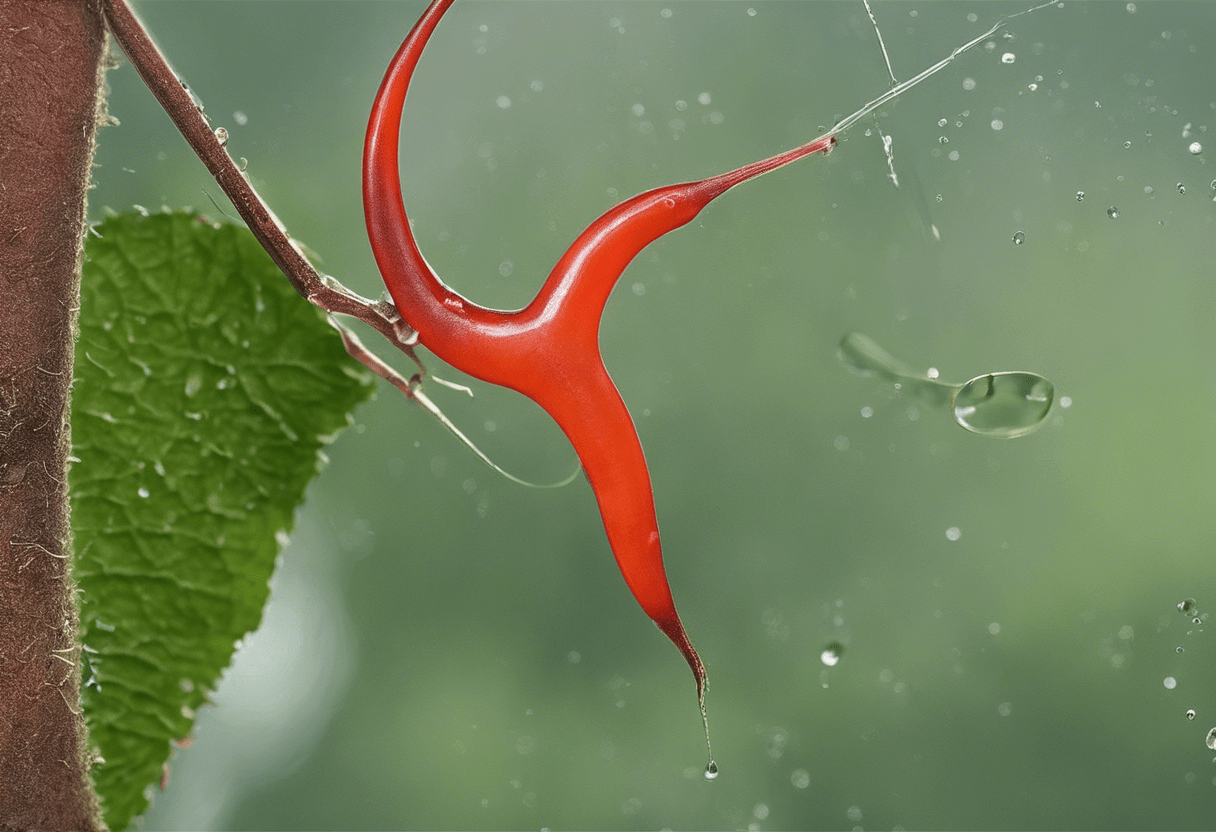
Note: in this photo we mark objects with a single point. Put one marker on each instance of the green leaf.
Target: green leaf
(205, 388)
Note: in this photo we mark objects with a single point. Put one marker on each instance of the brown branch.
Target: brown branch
(50, 105)
(187, 115)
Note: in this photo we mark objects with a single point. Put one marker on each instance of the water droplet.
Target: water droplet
(1195, 148)
(1170, 682)
(1008, 58)
(941, 122)
(704, 98)
(1127, 145)
(1190, 714)
(1210, 739)
(1032, 87)
(1181, 188)
(1112, 212)
(1019, 238)
(1187, 607)
(831, 654)
(953, 533)
(143, 492)
(194, 383)
(800, 778)
(997, 124)
(221, 136)
(711, 771)
(240, 118)
(503, 102)
(1006, 405)
(243, 165)
(1131, 8)
(968, 83)
(1080, 196)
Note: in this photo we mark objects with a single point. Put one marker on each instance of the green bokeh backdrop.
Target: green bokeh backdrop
(445, 649)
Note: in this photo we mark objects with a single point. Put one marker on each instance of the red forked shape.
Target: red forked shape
(549, 350)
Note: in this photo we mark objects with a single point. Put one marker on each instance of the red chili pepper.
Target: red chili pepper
(549, 350)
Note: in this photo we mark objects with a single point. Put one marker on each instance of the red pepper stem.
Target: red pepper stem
(715, 186)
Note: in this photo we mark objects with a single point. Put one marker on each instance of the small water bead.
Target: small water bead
(1032, 86)
(1127, 145)
(1008, 58)
(953, 533)
(1080, 196)
(711, 771)
(1195, 148)
(969, 84)
(800, 778)
(1181, 188)
(1005, 405)
(1210, 739)
(221, 136)
(1112, 212)
(1190, 714)
(831, 654)
(1170, 682)
(941, 122)
(1187, 606)
(1019, 238)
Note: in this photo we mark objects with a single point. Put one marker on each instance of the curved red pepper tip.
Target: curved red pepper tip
(549, 351)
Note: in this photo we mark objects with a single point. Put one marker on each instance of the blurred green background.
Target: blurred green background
(444, 649)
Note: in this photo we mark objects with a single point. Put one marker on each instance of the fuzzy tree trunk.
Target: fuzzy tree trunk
(51, 54)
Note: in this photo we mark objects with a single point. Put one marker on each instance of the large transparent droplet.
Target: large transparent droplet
(1211, 739)
(1006, 405)
(711, 771)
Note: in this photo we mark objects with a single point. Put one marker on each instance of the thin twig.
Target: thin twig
(173, 95)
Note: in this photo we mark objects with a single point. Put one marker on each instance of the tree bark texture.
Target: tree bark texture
(51, 63)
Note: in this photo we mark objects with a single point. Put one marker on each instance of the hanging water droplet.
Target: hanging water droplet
(1080, 196)
(711, 771)
(1019, 238)
(1210, 739)
(831, 654)
(1006, 405)
(1190, 714)
(1195, 148)
(221, 136)
(1112, 212)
